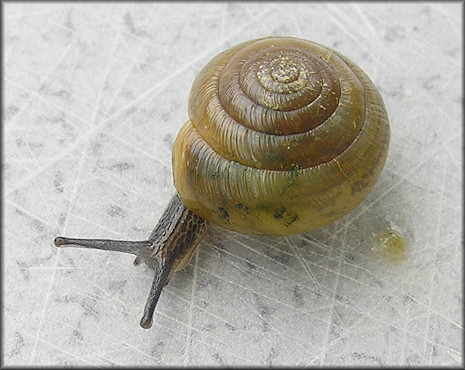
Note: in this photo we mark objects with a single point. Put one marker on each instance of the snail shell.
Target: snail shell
(285, 136)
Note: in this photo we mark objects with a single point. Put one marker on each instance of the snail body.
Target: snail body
(284, 136)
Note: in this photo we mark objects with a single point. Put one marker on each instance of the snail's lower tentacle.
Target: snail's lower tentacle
(162, 274)
(126, 246)
(137, 261)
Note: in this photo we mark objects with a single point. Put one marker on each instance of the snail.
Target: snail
(284, 136)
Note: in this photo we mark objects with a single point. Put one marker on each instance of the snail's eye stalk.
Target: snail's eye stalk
(125, 246)
(162, 274)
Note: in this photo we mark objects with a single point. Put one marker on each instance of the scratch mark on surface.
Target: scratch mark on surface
(290, 10)
(138, 149)
(208, 344)
(330, 322)
(41, 83)
(330, 10)
(60, 349)
(31, 215)
(302, 262)
(179, 295)
(191, 309)
(397, 183)
(260, 294)
(301, 342)
(44, 307)
(437, 234)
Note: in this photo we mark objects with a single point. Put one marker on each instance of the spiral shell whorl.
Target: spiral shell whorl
(269, 120)
(278, 90)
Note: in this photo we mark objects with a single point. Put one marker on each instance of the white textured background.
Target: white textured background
(94, 95)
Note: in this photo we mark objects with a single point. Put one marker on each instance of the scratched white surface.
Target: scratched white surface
(94, 95)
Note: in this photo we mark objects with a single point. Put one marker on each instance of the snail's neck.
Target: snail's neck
(176, 235)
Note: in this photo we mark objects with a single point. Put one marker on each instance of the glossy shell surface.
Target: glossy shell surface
(285, 135)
